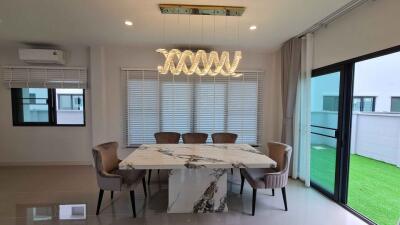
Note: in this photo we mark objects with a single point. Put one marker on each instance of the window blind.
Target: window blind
(166, 103)
(44, 77)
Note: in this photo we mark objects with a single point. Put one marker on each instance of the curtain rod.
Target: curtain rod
(147, 69)
(333, 16)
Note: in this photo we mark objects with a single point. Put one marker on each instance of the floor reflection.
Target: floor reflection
(52, 212)
(72, 212)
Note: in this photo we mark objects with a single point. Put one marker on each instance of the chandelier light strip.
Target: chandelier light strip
(211, 63)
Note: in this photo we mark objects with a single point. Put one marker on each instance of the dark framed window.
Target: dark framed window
(37, 107)
(395, 104)
(330, 103)
(364, 104)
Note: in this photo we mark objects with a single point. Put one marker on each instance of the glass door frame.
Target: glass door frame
(340, 132)
(346, 69)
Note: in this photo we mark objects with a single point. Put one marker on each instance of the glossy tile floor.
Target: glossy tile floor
(39, 190)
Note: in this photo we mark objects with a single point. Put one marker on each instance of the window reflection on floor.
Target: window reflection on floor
(72, 212)
(40, 213)
(49, 212)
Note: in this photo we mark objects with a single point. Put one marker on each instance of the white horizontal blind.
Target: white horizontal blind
(211, 105)
(176, 93)
(244, 102)
(44, 77)
(143, 95)
(193, 104)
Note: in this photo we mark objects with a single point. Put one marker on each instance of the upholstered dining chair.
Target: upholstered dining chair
(194, 138)
(110, 178)
(270, 178)
(165, 138)
(224, 138)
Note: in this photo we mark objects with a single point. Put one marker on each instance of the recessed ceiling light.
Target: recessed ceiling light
(253, 27)
(128, 23)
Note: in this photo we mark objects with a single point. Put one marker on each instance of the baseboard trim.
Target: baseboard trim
(48, 163)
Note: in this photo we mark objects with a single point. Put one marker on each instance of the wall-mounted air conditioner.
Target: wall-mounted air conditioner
(43, 56)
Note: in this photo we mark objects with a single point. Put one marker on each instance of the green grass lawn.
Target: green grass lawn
(374, 186)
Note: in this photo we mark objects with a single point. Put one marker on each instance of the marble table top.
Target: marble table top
(181, 156)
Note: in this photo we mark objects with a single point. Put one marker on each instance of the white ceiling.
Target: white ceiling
(90, 22)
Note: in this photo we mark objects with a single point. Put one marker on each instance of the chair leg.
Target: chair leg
(241, 183)
(132, 194)
(284, 197)
(253, 209)
(148, 178)
(158, 171)
(101, 192)
(231, 170)
(112, 194)
(273, 192)
(144, 187)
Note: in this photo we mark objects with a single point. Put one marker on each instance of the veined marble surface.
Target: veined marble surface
(181, 156)
(197, 190)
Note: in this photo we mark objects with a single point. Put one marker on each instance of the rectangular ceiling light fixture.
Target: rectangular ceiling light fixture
(202, 9)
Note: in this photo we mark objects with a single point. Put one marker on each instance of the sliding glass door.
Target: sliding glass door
(355, 135)
(325, 99)
(374, 174)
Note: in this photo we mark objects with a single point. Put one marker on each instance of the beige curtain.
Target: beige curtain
(302, 115)
(291, 71)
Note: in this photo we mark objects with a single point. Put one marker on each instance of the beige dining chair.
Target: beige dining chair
(270, 178)
(165, 138)
(194, 138)
(110, 178)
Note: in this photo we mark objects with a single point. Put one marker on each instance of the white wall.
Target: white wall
(42, 145)
(105, 112)
(115, 57)
(371, 27)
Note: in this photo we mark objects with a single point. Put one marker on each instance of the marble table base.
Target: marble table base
(198, 190)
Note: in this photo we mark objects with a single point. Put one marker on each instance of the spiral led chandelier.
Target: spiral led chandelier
(200, 62)
(222, 65)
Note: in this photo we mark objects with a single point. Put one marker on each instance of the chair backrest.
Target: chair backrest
(224, 138)
(281, 154)
(105, 157)
(194, 138)
(167, 137)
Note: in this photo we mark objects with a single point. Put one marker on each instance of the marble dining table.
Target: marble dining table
(197, 180)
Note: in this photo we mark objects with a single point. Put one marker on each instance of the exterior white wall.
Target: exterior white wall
(69, 116)
(374, 135)
(42, 145)
(379, 77)
(379, 144)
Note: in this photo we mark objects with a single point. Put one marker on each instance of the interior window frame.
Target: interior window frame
(16, 94)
